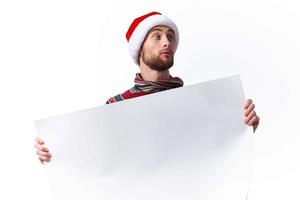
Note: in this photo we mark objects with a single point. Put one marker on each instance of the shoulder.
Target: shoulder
(128, 94)
(114, 99)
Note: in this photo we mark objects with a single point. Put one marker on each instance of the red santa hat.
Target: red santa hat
(140, 27)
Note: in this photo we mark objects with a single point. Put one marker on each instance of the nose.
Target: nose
(166, 42)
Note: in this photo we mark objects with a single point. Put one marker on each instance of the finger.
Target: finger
(247, 103)
(249, 109)
(249, 117)
(255, 125)
(42, 153)
(41, 147)
(253, 120)
(39, 140)
(43, 158)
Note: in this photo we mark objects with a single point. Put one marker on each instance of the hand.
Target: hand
(251, 118)
(42, 152)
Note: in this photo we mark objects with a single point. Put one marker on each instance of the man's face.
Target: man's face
(157, 51)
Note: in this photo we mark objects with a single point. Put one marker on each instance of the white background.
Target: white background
(63, 56)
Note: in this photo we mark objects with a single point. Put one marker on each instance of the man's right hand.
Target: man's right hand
(42, 152)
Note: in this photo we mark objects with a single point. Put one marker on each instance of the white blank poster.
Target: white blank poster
(188, 143)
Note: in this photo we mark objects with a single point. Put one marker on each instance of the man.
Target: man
(152, 41)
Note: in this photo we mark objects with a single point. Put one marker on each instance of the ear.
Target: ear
(140, 56)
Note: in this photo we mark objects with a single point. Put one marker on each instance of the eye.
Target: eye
(157, 36)
(171, 37)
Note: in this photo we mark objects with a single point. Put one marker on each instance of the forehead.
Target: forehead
(160, 28)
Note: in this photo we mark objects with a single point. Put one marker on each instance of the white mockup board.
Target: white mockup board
(188, 143)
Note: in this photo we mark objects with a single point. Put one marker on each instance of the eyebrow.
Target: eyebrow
(158, 29)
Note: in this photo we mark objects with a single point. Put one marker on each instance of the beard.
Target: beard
(158, 64)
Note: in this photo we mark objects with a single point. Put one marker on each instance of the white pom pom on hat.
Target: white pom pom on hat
(140, 27)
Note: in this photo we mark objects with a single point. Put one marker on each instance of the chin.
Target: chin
(165, 66)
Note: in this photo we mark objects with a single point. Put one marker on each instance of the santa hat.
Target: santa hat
(140, 27)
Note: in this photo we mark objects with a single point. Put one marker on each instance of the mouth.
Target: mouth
(167, 52)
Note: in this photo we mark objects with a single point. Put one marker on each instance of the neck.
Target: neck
(149, 74)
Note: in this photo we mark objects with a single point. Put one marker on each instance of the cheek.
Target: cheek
(152, 47)
(150, 52)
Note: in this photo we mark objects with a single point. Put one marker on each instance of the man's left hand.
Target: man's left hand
(251, 118)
